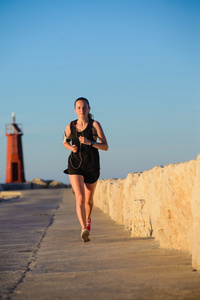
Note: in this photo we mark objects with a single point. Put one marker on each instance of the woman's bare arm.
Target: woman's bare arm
(66, 143)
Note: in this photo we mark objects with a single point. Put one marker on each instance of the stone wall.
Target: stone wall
(163, 202)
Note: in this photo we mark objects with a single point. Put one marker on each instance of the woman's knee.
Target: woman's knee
(89, 201)
(80, 199)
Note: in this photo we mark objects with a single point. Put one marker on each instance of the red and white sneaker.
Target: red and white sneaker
(85, 235)
(89, 224)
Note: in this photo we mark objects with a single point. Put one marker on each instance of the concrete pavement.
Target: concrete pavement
(43, 257)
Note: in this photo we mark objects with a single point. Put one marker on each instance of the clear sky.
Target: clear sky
(137, 62)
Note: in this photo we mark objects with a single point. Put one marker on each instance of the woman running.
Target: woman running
(84, 137)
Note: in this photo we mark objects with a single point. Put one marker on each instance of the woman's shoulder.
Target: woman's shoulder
(96, 124)
(71, 123)
(69, 127)
(74, 122)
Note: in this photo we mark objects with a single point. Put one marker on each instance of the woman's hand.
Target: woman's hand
(84, 140)
(74, 148)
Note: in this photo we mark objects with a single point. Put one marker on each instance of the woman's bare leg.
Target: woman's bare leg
(89, 193)
(77, 182)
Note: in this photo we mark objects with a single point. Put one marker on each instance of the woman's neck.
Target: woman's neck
(82, 121)
(82, 124)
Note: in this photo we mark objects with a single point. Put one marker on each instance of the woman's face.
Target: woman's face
(82, 109)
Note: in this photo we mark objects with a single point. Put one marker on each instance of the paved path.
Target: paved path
(43, 257)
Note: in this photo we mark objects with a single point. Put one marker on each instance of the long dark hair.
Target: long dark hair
(90, 116)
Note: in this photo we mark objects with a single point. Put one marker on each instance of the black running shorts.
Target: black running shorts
(90, 176)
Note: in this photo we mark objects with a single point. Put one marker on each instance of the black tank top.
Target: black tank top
(88, 155)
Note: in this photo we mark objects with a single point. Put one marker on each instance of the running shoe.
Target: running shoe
(85, 235)
(89, 224)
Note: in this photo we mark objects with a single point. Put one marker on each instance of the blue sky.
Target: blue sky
(137, 62)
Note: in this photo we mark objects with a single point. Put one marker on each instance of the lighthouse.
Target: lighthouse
(14, 162)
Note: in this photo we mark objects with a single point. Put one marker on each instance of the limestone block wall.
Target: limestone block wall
(196, 218)
(163, 202)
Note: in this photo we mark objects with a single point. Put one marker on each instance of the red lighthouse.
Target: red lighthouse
(14, 164)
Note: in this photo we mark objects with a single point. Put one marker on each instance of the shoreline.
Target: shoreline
(34, 184)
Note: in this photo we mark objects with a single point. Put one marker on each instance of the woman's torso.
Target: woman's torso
(89, 155)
